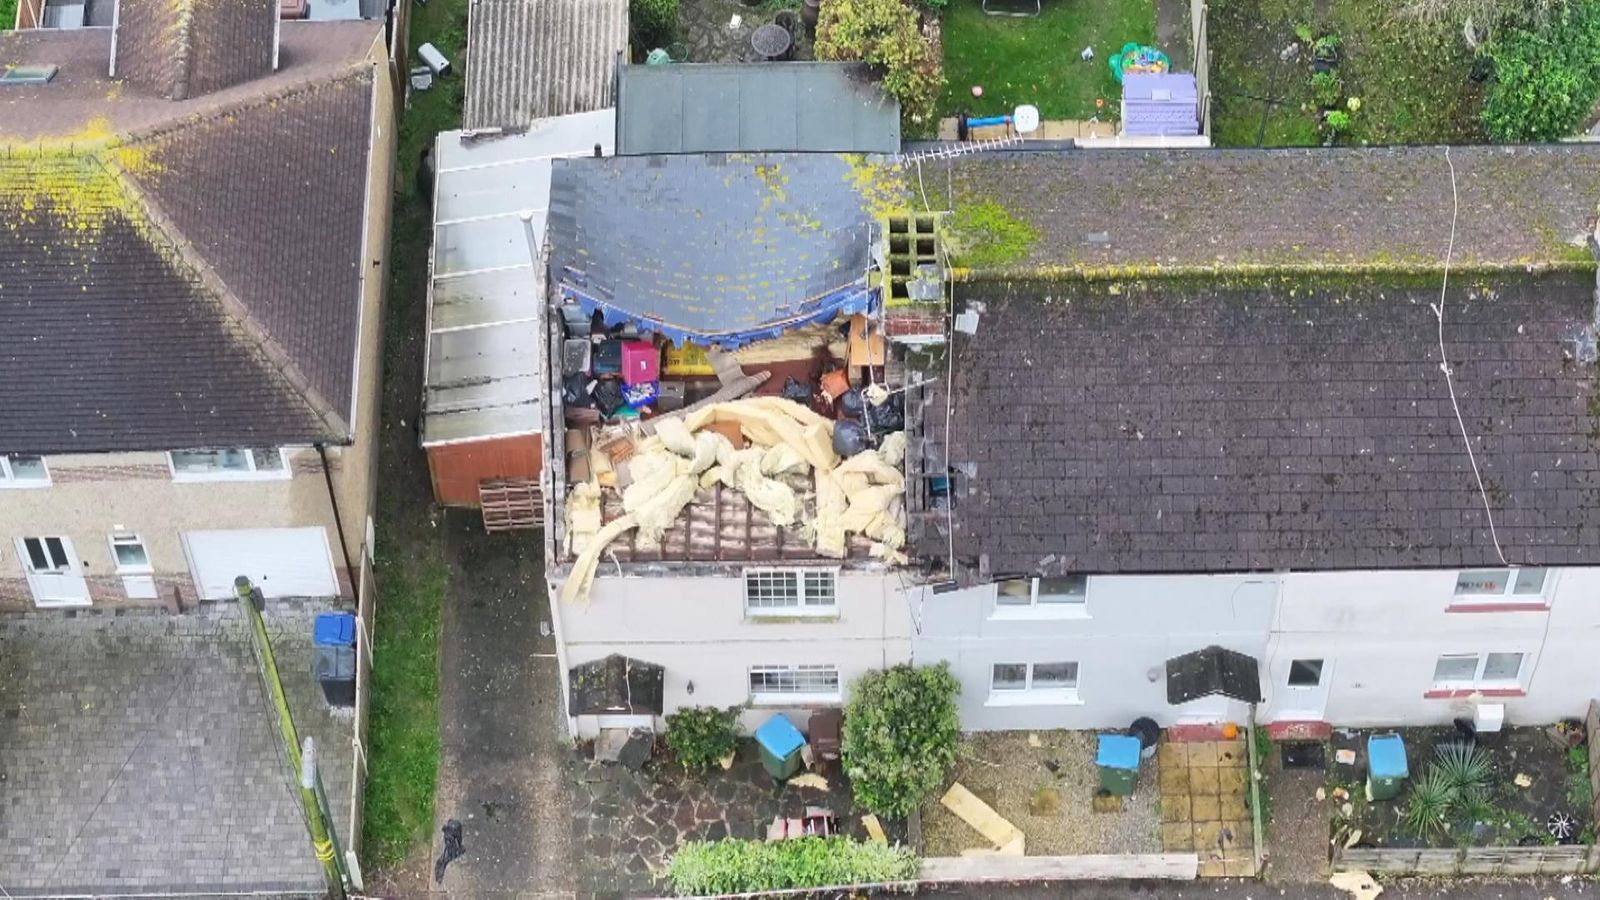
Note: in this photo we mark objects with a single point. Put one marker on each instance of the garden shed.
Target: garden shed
(482, 411)
(1160, 105)
(713, 108)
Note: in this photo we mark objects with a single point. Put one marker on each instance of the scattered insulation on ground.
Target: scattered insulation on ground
(666, 469)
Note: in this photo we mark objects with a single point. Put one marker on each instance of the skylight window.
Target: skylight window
(28, 74)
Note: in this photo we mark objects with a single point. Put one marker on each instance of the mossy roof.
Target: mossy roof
(1135, 213)
(182, 274)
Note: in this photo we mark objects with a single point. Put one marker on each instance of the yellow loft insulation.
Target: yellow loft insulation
(857, 495)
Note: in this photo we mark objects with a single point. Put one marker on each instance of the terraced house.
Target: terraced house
(191, 282)
(1185, 434)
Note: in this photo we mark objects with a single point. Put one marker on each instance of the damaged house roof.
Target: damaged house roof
(183, 273)
(724, 248)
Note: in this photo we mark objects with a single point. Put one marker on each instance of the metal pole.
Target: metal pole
(321, 835)
(251, 601)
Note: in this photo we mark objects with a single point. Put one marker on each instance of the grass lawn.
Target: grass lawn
(403, 731)
(1413, 82)
(1020, 60)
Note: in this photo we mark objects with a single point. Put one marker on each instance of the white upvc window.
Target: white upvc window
(1062, 597)
(20, 471)
(1470, 671)
(130, 555)
(794, 685)
(1038, 683)
(791, 592)
(1499, 585)
(231, 464)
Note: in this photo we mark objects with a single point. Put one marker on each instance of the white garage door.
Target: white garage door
(282, 562)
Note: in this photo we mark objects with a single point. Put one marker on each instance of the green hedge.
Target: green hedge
(1546, 77)
(737, 867)
(655, 22)
(901, 734)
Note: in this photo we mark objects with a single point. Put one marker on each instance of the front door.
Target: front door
(1304, 689)
(55, 576)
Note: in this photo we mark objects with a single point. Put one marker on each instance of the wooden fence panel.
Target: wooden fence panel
(1500, 861)
(366, 602)
(1200, 52)
(1178, 866)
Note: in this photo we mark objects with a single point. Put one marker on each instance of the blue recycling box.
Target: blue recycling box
(1386, 766)
(780, 744)
(334, 630)
(1118, 759)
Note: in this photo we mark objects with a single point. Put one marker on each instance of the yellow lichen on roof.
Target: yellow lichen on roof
(77, 179)
(881, 185)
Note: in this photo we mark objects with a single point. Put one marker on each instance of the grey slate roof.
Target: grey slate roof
(223, 43)
(191, 278)
(111, 342)
(1338, 208)
(531, 59)
(1176, 426)
(283, 232)
(718, 242)
(705, 108)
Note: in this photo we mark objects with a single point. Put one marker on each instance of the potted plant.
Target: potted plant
(1325, 53)
(809, 13)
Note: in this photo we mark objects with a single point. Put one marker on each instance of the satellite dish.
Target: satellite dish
(1026, 119)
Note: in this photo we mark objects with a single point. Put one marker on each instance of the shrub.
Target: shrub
(736, 867)
(1338, 122)
(1326, 88)
(655, 22)
(886, 34)
(700, 736)
(1545, 80)
(1466, 770)
(901, 733)
(1431, 801)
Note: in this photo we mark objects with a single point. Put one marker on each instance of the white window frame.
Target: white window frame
(8, 478)
(1508, 592)
(795, 698)
(282, 473)
(1480, 663)
(123, 538)
(1076, 608)
(1029, 695)
(806, 605)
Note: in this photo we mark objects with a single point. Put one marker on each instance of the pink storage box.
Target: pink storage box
(641, 362)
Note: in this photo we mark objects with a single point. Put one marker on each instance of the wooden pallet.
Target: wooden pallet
(510, 504)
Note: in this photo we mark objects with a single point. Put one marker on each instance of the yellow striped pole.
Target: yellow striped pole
(303, 763)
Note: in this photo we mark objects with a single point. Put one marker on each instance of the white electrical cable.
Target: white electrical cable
(1444, 362)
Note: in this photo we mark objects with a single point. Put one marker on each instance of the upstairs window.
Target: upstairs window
(17, 470)
(790, 592)
(1065, 596)
(222, 465)
(1501, 584)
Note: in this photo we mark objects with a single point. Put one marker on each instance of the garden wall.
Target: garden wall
(1560, 860)
(1201, 54)
(970, 869)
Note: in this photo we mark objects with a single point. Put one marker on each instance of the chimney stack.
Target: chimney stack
(186, 48)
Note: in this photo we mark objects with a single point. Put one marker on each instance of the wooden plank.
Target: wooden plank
(983, 819)
(874, 829)
(1167, 866)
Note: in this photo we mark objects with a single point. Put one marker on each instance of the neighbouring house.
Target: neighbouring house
(192, 277)
(1186, 452)
(1261, 452)
(715, 108)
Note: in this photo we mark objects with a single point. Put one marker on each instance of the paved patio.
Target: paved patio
(138, 755)
(626, 824)
(1205, 807)
(705, 28)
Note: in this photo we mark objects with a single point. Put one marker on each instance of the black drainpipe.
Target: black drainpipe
(338, 520)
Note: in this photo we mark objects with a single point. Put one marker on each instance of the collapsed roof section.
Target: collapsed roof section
(718, 249)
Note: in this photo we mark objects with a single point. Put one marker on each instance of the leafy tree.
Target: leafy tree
(886, 34)
(655, 22)
(1545, 80)
(1484, 16)
(901, 734)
